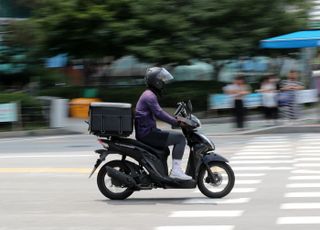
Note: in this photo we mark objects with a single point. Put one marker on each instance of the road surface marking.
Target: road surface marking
(237, 182)
(300, 206)
(302, 171)
(262, 162)
(268, 147)
(8, 140)
(259, 157)
(307, 165)
(302, 194)
(250, 174)
(311, 177)
(196, 227)
(308, 147)
(260, 168)
(308, 153)
(271, 143)
(209, 213)
(217, 201)
(308, 159)
(45, 170)
(259, 153)
(299, 220)
(236, 190)
(47, 156)
(243, 190)
(304, 185)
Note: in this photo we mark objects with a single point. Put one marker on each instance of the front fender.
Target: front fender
(213, 157)
(206, 159)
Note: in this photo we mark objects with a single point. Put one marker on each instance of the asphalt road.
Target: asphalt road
(44, 185)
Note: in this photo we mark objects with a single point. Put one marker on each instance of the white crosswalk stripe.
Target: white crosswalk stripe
(302, 194)
(303, 187)
(217, 201)
(260, 158)
(197, 227)
(207, 213)
(299, 220)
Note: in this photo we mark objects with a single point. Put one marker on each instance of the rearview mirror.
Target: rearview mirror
(189, 106)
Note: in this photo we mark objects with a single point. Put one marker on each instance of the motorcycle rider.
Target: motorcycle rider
(148, 109)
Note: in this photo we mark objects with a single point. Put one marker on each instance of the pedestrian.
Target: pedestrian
(290, 108)
(238, 89)
(269, 92)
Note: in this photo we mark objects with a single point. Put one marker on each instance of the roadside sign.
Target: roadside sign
(307, 96)
(254, 100)
(8, 112)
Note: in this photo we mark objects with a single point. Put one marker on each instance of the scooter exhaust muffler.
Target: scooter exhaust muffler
(121, 178)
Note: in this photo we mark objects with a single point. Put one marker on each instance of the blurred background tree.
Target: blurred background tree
(158, 31)
(164, 31)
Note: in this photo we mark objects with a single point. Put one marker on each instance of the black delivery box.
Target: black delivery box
(110, 119)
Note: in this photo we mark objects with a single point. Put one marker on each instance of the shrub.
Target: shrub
(196, 91)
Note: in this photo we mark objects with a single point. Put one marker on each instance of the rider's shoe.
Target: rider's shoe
(179, 174)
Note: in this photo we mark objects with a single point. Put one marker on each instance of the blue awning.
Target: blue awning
(300, 39)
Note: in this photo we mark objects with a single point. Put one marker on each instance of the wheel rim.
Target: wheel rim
(110, 185)
(220, 182)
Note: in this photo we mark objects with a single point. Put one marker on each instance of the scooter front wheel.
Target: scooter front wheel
(109, 187)
(221, 182)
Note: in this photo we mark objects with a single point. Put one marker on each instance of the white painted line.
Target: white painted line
(270, 142)
(259, 157)
(308, 159)
(8, 140)
(270, 137)
(243, 190)
(196, 227)
(250, 174)
(308, 147)
(311, 177)
(299, 220)
(269, 147)
(237, 182)
(303, 185)
(302, 194)
(49, 156)
(259, 153)
(217, 201)
(260, 168)
(307, 165)
(262, 162)
(300, 206)
(302, 171)
(209, 213)
(308, 153)
(236, 190)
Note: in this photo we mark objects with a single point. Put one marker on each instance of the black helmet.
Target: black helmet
(157, 77)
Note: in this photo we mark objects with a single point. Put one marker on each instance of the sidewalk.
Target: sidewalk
(223, 126)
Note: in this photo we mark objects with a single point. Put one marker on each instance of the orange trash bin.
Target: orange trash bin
(79, 107)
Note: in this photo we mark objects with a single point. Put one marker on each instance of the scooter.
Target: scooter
(143, 167)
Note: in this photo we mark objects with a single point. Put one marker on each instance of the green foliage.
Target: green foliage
(163, 31)
(24, 99)
(195, 90)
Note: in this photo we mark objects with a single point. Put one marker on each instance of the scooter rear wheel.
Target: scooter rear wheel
(223, 180)
(109, 187)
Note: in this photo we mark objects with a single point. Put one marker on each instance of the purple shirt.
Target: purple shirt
(147, 110)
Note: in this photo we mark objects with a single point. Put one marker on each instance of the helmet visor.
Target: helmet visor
(164, 75)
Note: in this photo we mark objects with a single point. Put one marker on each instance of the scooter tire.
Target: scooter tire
(201, 181)
(101, 181)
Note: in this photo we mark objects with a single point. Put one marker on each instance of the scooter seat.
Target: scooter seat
(158, 152)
